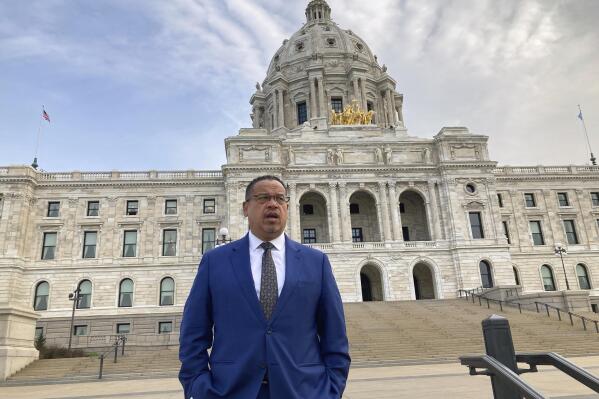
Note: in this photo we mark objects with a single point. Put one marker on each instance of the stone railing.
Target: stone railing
(359, 246)
(544, 170)
(109, 176)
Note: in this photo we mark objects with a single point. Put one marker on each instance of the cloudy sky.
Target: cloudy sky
(159, 84)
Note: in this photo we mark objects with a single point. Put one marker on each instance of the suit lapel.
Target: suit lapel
(293, 270)
(240, 263)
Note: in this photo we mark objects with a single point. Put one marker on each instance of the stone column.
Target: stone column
(321, 96)
(293, 216)
(313, 112)
(435, 220)
(385, 211)
(364, 99)
(393, 108)
(275, 109)
(356, 91)
(345, 224)
(395, 217)
(390, 119)
(334, 211)
(281, 109)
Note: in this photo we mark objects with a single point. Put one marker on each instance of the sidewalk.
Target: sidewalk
(415, 382)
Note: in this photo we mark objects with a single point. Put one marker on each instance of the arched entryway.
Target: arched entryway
(364, 219)
(414, 223)
(424, 281)
(313, 218)
(371, 283)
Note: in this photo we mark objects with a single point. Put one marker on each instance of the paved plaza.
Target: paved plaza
(416, 381)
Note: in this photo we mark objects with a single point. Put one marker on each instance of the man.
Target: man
(270, 310)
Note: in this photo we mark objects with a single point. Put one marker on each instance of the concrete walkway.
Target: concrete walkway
(415, 382)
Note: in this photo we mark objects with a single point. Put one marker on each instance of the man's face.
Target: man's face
(267, 218)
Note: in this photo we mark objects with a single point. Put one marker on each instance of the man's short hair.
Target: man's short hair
(250, 187)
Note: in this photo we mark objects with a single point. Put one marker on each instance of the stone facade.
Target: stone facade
(400, 217)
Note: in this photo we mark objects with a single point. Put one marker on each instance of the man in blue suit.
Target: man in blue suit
(270, 310)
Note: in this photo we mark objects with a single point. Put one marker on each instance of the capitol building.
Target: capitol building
(400, 217)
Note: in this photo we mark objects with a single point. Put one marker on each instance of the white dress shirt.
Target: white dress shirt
(278, 256)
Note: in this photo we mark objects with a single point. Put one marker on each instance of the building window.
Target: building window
(53, 209)
(548, 280)
(506, 231)
(208, 239)
(302, 113)
(132, 207)
(354, 209)
(485, 274)
(169, 243)
(402, 207)
(90, 239)
(370, 107)
(42, 290)
(39, 332)
(308, 209)
(562, 199)
(170, 207)
(210, 205)
(337, 104)
(123, 328)
(126, 293)
(93, 208)
(49, 246)
(476, 225)
(165, 327)
(405, 232)
(516, 276)
(470, 188)
(309, 236)
(130, 244)
(583, 277)
(356, 234)
(79, 331)
(537, 232)
(500, 200)
(529, 200)
(570, 229)
(595, 199)
(85, 295)
(167, 292)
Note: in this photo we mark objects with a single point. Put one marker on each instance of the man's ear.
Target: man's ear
(245, 208)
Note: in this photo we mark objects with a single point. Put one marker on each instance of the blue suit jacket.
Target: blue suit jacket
(303, 347)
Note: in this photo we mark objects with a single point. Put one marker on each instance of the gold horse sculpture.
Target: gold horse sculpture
(352, 115)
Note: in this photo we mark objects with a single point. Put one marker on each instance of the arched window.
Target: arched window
(167, 292)
(485, 274)
(85, 295)
(516, 275)
(42, 291)
(548, 280)
(583, 277)
(126, 293)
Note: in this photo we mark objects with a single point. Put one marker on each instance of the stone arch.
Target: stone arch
(486, 273)
(372, 277)
(414, 216)
(548, 279)
(423, 278)
(364, 216)
(583, 276)
(314, 218)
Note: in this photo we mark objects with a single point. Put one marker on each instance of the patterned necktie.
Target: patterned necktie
(269, 290)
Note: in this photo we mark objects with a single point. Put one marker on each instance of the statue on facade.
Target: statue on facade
(258, 88)
(426, 156)
(339, 156)
(330, 157)
(290, 156)
(378, 155)
(388, 155)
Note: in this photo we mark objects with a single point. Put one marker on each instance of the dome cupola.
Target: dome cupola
(318, 10)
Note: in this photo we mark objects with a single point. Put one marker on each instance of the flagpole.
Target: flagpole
(34, 165)
(584, 125)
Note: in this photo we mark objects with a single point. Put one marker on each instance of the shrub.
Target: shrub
(40, 342)
(58, 352)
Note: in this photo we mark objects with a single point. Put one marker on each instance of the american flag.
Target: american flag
(45, 115)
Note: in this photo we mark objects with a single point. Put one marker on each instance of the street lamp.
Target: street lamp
(561, 251)
(223, 233)
(73, 296)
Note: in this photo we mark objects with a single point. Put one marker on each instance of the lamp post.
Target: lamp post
(73, 296)
(223, 233)
(561, 251)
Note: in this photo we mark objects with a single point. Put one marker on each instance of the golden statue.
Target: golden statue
(352, 115)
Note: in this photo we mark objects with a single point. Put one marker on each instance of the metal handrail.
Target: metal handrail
(520, 306)
(493, 367)
(114, 347)
(560, 363)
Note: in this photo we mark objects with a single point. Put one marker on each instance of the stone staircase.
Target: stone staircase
(380, 333)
